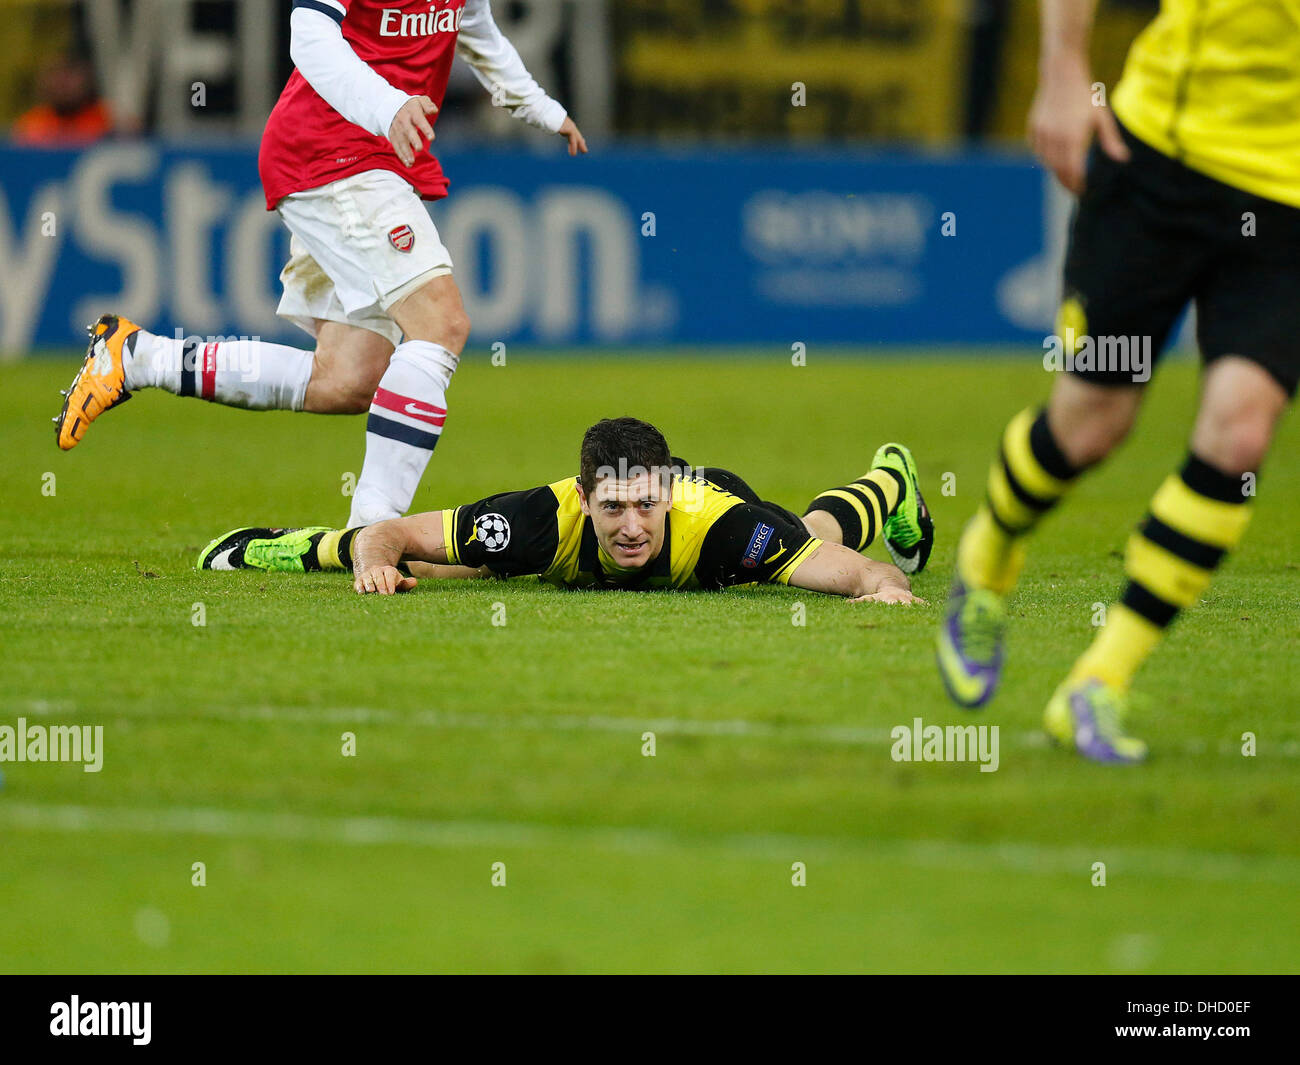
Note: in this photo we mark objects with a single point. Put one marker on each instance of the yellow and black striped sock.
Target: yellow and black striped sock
(334, 548)
(862, 507)
(1027, 478)
(1196, 517)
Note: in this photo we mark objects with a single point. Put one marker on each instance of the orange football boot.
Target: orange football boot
(100, 384)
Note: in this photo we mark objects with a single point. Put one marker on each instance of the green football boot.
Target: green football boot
(273, 550)
(909, 531)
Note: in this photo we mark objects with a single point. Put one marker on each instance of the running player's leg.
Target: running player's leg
(409, 405)
(238, 372)
(338, 377)
(342, 373)
(1195, 518)
(1042, 453)
(1136, 255)
(367, 254)
(254, 374)
(1247, 322)
(122, 359)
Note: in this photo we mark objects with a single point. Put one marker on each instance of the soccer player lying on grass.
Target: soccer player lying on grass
(631, 519)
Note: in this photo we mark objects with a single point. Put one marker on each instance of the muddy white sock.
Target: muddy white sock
(239, 373)
(405, 421)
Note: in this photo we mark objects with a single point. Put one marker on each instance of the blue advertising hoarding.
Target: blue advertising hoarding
(625, 246)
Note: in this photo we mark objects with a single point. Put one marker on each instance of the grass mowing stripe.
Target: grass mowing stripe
(829, 735)
(372, 831)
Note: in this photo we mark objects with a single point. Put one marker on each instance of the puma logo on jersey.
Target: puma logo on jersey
(394, 23)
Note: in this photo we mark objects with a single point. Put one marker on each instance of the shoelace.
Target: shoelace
(281, 551)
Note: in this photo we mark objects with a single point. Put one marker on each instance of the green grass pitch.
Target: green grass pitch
(522, 743)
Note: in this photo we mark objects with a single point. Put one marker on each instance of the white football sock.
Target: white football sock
(238, 373)
(406, 418)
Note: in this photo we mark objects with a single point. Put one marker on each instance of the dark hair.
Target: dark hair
(621, 444)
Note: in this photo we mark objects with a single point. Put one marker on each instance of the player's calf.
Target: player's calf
(409, 407)
(348, 365)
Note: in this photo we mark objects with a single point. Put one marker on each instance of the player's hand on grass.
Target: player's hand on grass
(411, 131)
(383, 580)
(889, 593)
(570, 132)
(376, 550)
(1064, 119)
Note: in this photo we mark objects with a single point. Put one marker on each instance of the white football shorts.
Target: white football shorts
(359, 245)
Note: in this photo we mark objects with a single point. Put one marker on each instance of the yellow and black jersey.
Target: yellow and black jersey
(1216, 85)
(717, 534)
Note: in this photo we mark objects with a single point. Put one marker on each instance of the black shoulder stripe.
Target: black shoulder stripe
(324, 9)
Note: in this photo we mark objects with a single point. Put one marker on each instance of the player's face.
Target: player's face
(628, 516)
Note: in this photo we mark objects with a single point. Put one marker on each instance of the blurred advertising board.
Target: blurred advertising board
(625, 246)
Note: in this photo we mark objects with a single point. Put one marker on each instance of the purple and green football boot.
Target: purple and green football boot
(1087, 716)
(969, 650)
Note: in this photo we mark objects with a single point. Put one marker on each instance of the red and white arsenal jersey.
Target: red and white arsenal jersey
(409, 43)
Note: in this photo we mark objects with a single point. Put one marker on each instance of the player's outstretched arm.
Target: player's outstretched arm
(836, 570)
(502, 73)
(1064, 117)
(378, 549)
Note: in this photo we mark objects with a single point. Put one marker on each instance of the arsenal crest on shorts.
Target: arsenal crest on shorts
(402, 238)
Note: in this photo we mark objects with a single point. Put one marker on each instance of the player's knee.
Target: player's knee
(455, 330)
(1090, 421)
(436, 314)
(1236, 444)
(1091, 440)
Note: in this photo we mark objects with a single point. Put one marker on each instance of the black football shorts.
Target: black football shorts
(1150, 235)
